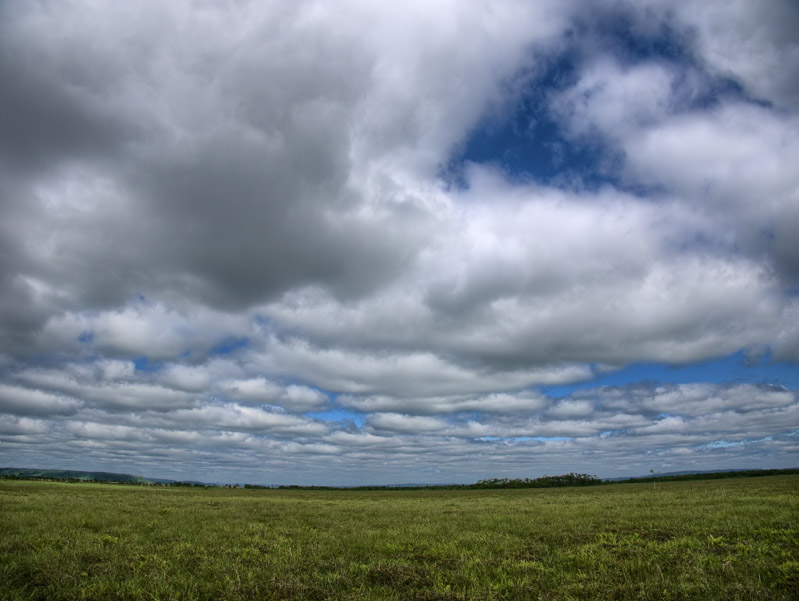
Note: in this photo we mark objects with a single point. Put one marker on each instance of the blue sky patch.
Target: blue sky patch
(340, 416)
(230, 345)
(144, 364)
(735, 368)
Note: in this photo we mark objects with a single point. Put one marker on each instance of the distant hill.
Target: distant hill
(544, 482)
(707, 475)
(16, 472)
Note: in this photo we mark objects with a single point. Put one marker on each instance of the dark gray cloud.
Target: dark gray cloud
(211, 154)
(23, 401)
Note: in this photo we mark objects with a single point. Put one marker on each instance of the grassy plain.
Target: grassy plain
(721, 539)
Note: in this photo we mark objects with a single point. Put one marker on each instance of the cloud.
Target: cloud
(22, 427)
(285, 144)
(755, 45)
(728, 157)
(18, 400)
(520, 402)
(116, 394)
(188, 378)
(294, 398)
(396, 422)
(551, 279)
(696, 399)
(685, 132)
(238, 417)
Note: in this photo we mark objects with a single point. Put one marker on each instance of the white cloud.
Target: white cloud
(572, 409)
(408, 424)
(727, 160)
(294, 398)
(189, 378)
(22, 426)
(501, 402)
(18, 400)
(238, 417)
(753, 43)
(116, 370)
(615, 100)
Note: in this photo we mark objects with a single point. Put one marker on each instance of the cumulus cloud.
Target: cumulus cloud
(396, 422)
(22, 426)
(293, 397)
(755, 45)
(289, 237)
(723, 155)
(269, 132)
(26, 401)
(117, 394)
(502, 402)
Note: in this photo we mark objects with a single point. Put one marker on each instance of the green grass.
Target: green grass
(721, 539)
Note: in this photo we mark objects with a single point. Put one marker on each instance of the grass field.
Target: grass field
(721, 539)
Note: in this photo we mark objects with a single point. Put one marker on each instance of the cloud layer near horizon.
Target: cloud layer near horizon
(254, 239)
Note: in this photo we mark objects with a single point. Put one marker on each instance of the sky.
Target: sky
(353, 242)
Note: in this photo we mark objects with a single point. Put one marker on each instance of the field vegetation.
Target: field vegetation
(703, 539)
